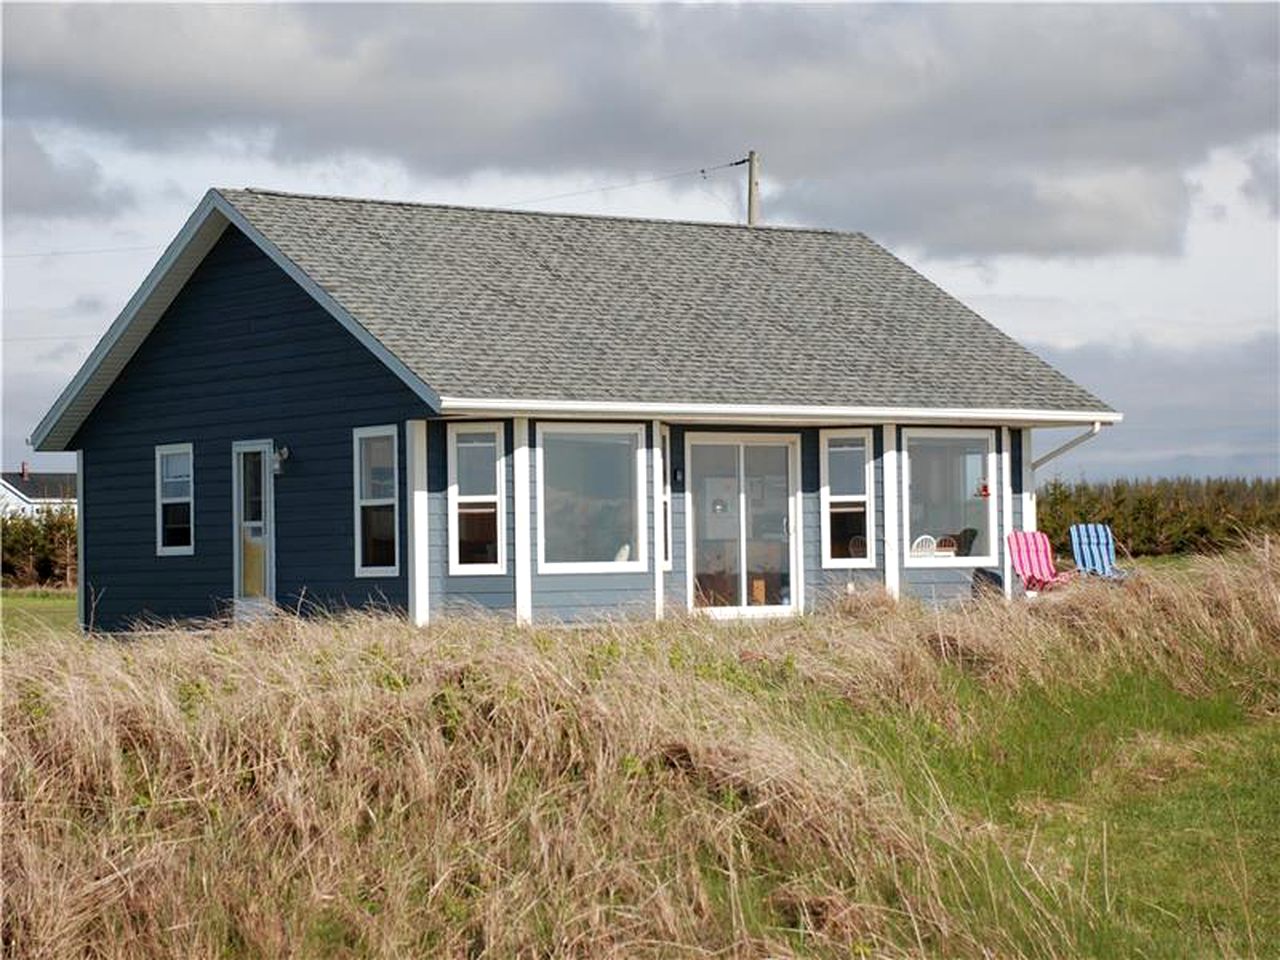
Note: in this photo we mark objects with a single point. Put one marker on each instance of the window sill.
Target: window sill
(829, 564)
(176, 551)
(363, 572)
(604, 566)
(478, 570)
(956, 563)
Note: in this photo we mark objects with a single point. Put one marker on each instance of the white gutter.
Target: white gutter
(770, 413)
(1069, 445)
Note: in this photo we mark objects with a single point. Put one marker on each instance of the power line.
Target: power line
(633, 183)
(76, 253)
(51, 336)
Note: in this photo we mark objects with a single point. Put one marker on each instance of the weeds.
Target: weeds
(876, 781)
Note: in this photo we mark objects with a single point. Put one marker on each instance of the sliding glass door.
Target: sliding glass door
(741, 499)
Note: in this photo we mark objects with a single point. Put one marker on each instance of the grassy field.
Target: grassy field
(1090, 775)
(27, 612)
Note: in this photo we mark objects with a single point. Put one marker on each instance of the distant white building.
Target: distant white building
(26, 492)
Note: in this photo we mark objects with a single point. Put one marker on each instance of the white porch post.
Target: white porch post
(82, 588)
(1006, 511)
(419, 553)
(523, 546)
(659, 523)
(1028, 483)
(892, 526)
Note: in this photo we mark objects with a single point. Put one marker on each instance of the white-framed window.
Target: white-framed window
(477, 499)
(591, 498)
(175, 500)
(664, 451)
(949, 489)
(847, 498)
(375, 456)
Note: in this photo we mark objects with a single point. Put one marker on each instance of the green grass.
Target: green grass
(34, 612)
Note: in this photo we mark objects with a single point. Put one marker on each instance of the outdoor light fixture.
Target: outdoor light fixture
(280, 456)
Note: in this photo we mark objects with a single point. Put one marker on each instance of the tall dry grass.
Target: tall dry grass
(358, 787)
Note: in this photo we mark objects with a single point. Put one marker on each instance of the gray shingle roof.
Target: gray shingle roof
(494, 304)
(42, 486)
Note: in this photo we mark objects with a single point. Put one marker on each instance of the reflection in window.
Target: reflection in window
(175, 500)
(376, 501)
(949, 496)
(476, 489)
(591, 496)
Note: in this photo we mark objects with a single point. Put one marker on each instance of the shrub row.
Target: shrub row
(40, 549)
(1156, 517)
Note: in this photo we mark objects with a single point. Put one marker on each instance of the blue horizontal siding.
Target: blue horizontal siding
(242, 353)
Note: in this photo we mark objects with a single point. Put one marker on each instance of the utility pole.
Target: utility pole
(753, 188)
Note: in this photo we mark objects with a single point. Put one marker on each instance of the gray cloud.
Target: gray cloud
(36, 184)
(965, 130)
(1263, 184)
(1210, 411)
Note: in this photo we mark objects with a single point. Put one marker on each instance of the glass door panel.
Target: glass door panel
(714, 482)
(253, 523)
(767, 483)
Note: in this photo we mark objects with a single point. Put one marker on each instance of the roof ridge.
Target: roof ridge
(557, 214)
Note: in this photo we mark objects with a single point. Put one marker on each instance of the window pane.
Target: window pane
(175, 475)
(848, 532)
(477, 464)
(377, 468)
(949, 496)
(175, 525)
(251, 484)
(378, 536)
(175, 489)
(589, 497)
(847, 467)
(478, 533)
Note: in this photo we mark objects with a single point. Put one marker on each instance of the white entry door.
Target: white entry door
(742, 504)
(253, 531)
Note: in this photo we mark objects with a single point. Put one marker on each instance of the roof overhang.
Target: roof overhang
(772, 414)
(143, 311)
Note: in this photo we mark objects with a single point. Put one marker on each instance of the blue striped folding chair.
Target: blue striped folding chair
(1094, 547)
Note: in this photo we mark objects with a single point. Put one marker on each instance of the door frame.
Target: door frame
(795, 520)
(242, 607)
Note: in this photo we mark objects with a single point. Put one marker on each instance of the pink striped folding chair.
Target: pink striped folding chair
(1032, 557)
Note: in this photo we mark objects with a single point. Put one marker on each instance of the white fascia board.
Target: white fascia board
(322, 297)
(768, 413)
(186, 251)
(126, 333)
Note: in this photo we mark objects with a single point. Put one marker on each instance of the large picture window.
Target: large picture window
(175, 500)
(591, 498)
(847, 499)
(951, 497)
(477, 499)
(375, 451)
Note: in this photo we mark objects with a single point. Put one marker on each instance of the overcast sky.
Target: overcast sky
(1099, 181)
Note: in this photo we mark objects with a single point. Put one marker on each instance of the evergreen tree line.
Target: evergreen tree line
(39, 550)
(1157, 517)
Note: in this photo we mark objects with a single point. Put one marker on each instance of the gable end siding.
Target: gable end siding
(242, 353)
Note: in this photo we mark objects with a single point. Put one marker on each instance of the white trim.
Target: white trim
(1006, 503)
(867, 499)
(770, 413)
(668, 541)
(419, 553)
(1028, 484)
(498, 498)
(661, 499)
(795, 521)
(989, 559)
(240, 605)
(523, 517)
(892, 527)
(163, 450)
(185, 252)
(357, 434)
(82, 589)
(641, 563)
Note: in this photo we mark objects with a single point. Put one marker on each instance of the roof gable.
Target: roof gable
(492, 309)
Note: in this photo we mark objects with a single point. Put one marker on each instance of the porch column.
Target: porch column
(523, 545)
(82, 588)
(659, 523)
(892, 525)
(419, 571)
(1006, 511)
(1028, 483)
